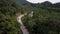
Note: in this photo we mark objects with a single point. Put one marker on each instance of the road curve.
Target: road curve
(23, 28)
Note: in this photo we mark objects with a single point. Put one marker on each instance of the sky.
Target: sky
(39, 1)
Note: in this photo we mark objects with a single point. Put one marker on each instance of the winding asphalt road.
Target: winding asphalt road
(23, 28)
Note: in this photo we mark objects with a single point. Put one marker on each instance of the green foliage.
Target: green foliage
(8, 22)
(44, 21)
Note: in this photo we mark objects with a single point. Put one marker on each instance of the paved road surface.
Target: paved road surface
(23, 28)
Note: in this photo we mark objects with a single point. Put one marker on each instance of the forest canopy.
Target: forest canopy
(45, 20)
